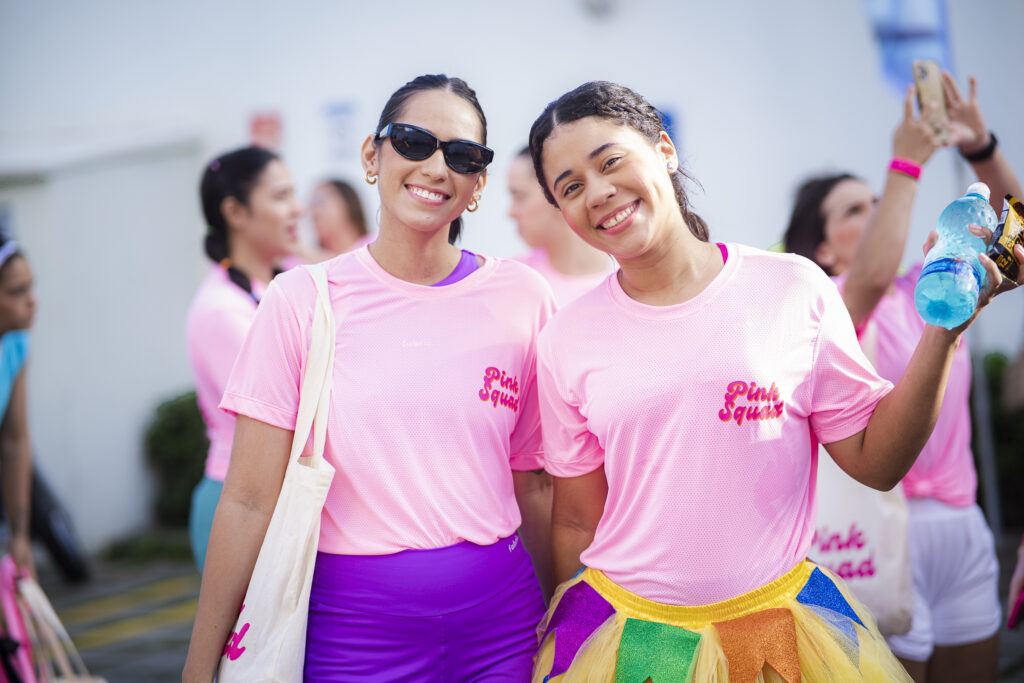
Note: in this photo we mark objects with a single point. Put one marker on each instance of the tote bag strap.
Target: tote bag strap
(317, 376)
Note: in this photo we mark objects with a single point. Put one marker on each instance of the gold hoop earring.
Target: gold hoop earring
(371, 178)
(473, 205)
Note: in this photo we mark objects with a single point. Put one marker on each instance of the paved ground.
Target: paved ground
(132, 621)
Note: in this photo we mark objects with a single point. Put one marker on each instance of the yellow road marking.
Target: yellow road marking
(159, 591)
(134, 627)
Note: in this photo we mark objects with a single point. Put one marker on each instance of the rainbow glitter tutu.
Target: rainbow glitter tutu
(804, 626)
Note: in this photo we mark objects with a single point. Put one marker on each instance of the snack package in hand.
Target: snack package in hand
(1008, 234)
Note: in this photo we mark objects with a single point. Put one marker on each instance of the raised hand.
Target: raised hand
(967, 126)
(915, 138)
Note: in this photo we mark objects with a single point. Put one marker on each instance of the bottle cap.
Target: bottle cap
(980, 189)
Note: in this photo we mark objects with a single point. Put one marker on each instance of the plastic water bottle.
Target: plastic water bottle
(947, 291)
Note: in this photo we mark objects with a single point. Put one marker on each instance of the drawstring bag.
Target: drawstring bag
(268, 642)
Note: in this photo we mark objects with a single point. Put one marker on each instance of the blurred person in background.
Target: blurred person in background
(17, 310)
(251, 211)
(434, 424)
(338, 218)
(859, 240)
(571, 266)
(339, 224)
(1014, 610)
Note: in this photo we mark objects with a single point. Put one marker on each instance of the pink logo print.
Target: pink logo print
(764, 403)
(232, 649)
(508, 393)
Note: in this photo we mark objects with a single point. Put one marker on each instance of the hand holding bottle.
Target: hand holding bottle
(995, 283)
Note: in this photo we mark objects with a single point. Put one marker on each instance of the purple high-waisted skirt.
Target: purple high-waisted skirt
(462, 613)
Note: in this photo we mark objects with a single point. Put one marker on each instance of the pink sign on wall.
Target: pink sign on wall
(265, 130)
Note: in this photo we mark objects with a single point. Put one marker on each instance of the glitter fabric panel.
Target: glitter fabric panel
(580, 611)
(656, 651)
(819, 590)
(762, 637)
(837, 621)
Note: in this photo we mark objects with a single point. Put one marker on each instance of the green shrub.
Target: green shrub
(1008, 435)
(176, 448)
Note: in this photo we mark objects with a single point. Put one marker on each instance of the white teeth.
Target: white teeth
(619, 217)
(427, 194)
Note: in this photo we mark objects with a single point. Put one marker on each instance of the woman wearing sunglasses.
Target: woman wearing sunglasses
(683, 400)
(434, 426)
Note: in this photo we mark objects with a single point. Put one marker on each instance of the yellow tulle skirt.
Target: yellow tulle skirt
(804, 626)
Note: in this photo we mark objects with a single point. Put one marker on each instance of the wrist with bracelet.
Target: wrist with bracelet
(907, 167)
(983, 154)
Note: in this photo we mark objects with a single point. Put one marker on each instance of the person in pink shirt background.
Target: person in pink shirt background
(860, 240)
(338, 218)
(571, 266)
(434, 428)
(682, 403)
(339, 224)
(251, 213)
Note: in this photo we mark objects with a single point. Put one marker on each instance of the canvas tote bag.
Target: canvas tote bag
(861, 535)
(269, 639)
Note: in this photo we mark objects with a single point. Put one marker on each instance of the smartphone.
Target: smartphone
(928, 81)
(1017, 613)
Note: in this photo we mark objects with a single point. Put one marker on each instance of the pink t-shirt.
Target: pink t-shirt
(945, 469)
(434, 398)
(567, 288)
(218, 320)
(705, 416)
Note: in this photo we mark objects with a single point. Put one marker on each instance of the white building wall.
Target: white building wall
(763, 94)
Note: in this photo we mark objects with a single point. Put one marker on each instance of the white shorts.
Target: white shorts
(956, 575)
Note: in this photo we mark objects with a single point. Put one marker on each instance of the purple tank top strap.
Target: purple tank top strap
(725, 252)
(467, 264)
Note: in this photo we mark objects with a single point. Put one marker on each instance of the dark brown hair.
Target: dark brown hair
(616, 103)
(395, 104)
(806, 229)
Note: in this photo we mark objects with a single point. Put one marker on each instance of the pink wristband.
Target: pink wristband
(906, 167)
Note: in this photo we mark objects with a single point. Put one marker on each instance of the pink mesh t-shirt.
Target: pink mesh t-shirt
(567, 288)
(945, 469)
(218, 319)
(434, 398)
(703, 414)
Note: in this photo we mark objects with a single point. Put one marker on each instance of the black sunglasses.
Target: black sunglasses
(416, 144)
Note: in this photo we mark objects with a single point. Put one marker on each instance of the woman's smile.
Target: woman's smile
(427, 195)
(619, 219)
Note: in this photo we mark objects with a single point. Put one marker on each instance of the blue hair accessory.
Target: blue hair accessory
(9, 249)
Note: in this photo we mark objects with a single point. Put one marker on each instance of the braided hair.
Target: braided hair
(621, 105)
(233, 174)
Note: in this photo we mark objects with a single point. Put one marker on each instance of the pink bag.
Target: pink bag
(45, 652)
(14, 623)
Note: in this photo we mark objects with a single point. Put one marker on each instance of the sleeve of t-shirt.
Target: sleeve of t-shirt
(218, 335)
(264, 383)
(19, 342)
(570, 449)
(845, 387)
(526, 441)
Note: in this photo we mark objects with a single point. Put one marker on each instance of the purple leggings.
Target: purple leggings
(462, 613)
